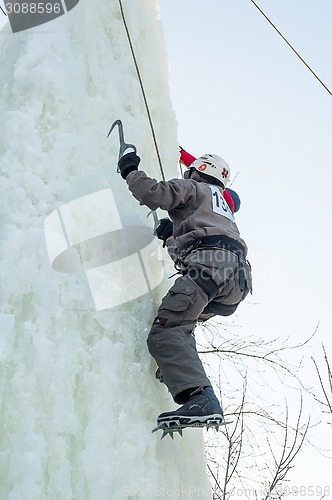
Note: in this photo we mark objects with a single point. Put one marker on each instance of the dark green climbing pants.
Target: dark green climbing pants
(207, 274)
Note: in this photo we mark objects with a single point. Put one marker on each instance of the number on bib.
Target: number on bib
(219, 204)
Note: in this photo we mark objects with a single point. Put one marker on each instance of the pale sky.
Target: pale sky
(240, 92)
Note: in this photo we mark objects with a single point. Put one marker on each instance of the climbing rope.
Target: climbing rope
(143, 91)
(285, 39)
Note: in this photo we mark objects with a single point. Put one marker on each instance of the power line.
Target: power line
(285, 39)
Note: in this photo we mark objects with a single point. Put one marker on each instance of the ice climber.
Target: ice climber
(204, 241)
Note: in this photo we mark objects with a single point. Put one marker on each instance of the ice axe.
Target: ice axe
(123, 145)
(123, 148)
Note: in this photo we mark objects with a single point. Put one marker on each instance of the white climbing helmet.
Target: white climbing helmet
(213, 165)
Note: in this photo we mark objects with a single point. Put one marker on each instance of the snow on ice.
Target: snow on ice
(78, 395)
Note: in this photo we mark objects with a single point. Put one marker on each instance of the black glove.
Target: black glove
(128, 163)
(164, 230)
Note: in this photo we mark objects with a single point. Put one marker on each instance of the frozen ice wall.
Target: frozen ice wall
(78, 395)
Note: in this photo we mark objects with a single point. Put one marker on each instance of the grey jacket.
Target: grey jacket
(196, 208)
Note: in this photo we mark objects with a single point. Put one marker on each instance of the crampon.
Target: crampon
(177, 424)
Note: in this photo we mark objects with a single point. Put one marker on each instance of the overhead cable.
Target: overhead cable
(285, 39)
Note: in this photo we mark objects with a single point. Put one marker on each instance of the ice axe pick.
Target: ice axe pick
(123, 148)
(123, 145)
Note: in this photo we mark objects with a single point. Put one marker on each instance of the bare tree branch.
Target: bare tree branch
(263, 440)
(328, 398)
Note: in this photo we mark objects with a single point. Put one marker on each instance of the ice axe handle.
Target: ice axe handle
(155, 219)
(123, 145)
